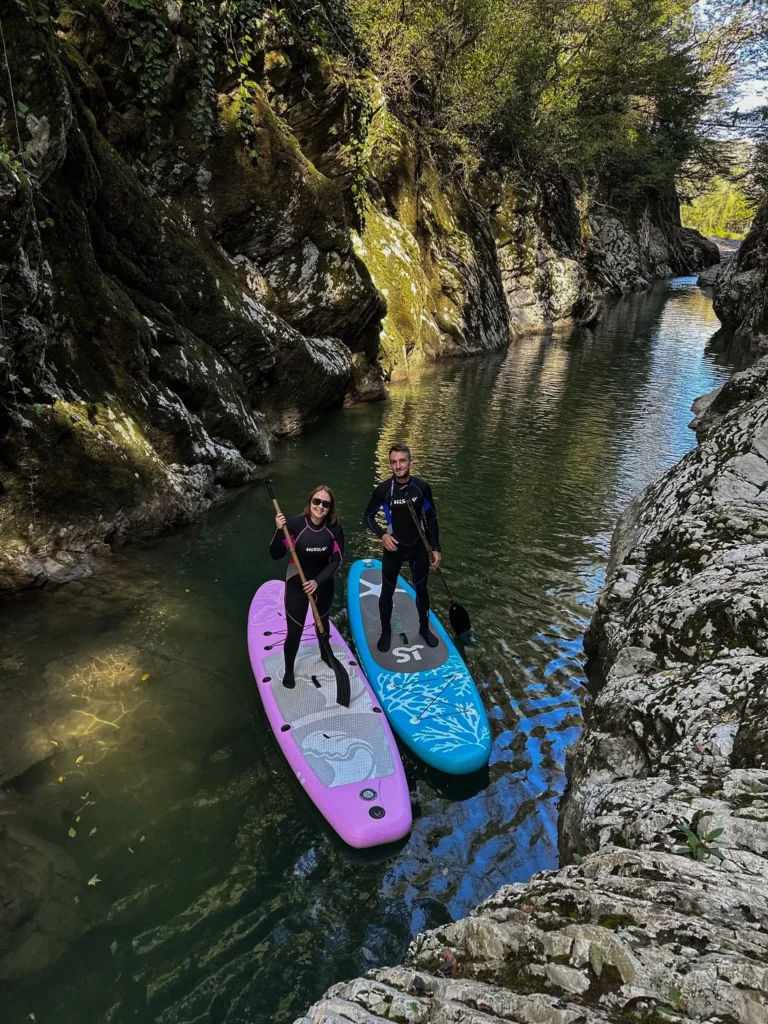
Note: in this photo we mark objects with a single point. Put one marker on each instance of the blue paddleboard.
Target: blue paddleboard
(427, 693)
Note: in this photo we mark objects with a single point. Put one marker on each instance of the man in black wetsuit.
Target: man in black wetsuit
(401, 539)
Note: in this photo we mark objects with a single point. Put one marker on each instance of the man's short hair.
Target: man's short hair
(401, 448)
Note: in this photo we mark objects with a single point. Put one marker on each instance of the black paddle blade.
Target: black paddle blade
(459, 617)
(343, 691)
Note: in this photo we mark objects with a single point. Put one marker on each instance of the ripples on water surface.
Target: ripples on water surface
(223, 897)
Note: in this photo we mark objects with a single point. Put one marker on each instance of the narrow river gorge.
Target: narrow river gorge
(137, 754)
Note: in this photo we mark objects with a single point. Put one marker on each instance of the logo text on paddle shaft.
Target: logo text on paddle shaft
(404, 654)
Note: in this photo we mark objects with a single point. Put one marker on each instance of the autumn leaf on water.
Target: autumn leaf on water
(61, 778)
(94, 881)
(76, 899)
(142, 839)
(131, 850)
(72, 833)
(91, 832)
(80, 759)
(145, 677)
(32, 1016)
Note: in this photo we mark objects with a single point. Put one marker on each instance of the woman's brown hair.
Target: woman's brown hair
(330, 516)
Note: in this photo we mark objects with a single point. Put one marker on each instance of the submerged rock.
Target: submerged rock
(40, 891)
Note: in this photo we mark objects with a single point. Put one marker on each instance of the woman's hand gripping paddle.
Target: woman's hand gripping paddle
(343, 693)
(457, 613)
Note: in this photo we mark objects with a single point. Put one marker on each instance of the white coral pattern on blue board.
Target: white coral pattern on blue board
(448, 724)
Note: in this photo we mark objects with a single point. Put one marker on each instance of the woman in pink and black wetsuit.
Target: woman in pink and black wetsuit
(319, 541)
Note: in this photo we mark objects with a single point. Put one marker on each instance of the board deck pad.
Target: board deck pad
(346, 758)
(407, 644)
(340, 745)
(428, 693)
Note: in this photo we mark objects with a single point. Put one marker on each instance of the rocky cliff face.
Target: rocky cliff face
(741, 290)
(193, 266)
(636, 929)
(559, 249)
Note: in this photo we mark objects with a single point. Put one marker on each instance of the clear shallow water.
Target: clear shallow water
(223, 897)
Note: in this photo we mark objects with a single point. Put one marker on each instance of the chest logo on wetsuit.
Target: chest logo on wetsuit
(317, 549)
(403, 501)
(404, 654)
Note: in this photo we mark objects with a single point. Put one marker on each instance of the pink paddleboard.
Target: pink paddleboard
(345, 758)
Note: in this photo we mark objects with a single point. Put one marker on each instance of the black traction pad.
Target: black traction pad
(408, 651)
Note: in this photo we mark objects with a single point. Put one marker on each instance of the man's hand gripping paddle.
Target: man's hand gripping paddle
(343, 694)
(457, 613)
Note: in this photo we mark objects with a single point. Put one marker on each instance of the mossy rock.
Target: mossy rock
(84, 460)
(394, 259)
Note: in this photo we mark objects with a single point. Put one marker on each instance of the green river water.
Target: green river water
(222, 895)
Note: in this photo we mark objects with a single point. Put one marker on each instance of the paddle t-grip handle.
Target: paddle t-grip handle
(297, 563)
(428, 546)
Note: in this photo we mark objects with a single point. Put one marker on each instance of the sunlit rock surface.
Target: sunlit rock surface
(615, 939)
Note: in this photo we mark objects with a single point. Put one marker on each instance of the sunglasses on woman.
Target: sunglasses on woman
(321, 501)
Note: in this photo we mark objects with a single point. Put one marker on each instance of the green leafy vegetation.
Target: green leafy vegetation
(749, 124)
(359, 112)
(611, 89)
(698, 844)
(227, 35)
(147, 35)
(676, 1007)
(618, 94)
(205, 113)
(722, 210)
